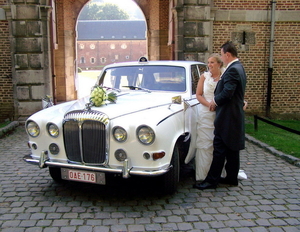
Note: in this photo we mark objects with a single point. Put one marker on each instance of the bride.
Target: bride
(205, 125)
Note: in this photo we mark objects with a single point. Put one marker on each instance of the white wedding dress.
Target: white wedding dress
(205, 130)
(205, 133)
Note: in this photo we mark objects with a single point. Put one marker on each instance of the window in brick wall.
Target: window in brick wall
(103, 60)
(82, 60)
(93, 60)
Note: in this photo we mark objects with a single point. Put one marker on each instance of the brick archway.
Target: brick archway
(64, 57)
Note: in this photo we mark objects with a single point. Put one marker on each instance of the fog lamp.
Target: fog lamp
(120, 155)
(146, 155)
(53, 148)
(31, 145)
(34, 146)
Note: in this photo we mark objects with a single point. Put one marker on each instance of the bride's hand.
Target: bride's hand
(212, 106)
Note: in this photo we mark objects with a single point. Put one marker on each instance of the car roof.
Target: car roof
(184, 63)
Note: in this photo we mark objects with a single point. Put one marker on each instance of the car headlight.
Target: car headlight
(52, 129)
(32, 128)
(145, 134)
(119, 134)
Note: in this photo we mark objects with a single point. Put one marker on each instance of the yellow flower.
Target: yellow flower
(99, 96)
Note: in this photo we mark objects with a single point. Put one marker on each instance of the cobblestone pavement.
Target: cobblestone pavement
(269, 200)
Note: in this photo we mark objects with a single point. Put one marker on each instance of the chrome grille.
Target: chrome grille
(85, 136)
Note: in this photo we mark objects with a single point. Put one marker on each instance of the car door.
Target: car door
(191, 113)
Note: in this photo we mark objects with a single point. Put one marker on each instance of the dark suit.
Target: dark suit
(229, 123)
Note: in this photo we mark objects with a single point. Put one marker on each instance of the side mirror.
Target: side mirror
(176, 100)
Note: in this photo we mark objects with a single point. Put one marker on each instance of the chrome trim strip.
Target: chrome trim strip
(82, 115)
(176, 112)
(168, 116)
(121, 115)
(120, 170)
(80, 139)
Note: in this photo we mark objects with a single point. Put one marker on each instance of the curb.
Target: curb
(290, 159)
(7, 129)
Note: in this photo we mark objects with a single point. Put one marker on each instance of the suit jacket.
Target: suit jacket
(229, 97)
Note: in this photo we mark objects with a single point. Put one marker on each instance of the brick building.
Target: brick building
(6, 82)
(38, 47)
(253, 18)
(103, 42)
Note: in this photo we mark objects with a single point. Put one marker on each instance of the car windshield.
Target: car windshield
(155, 77)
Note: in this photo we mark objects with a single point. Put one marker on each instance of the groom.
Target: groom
(229, 123)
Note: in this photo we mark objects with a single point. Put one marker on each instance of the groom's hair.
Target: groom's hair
(229, 47)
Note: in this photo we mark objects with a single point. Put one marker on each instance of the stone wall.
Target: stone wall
(192, 29)
(29, 48)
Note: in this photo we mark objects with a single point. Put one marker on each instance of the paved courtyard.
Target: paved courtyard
(269, 200)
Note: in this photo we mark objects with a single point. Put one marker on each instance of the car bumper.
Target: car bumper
(126, 170)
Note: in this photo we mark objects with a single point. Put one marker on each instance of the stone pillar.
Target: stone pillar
(30, 51)
(193, 29)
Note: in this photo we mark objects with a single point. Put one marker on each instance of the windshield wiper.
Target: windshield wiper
(131, 87)
(115, 89)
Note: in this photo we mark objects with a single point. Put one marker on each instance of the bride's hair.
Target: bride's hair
(218, 59)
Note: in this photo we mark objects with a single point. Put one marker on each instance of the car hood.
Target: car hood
(128, 102)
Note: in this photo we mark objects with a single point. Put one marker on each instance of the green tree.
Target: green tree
(90, 12)
(105, 11)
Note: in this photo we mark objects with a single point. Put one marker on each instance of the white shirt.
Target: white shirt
(231, 63)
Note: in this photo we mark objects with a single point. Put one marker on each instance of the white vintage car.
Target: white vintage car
(148, 131)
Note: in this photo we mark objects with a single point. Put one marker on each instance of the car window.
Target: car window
(158, 77)
(196, 72)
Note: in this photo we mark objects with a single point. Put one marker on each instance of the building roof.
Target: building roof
(111, 30)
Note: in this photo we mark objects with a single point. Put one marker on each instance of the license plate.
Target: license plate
(83, 176)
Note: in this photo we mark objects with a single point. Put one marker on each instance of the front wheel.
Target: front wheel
(170, 180)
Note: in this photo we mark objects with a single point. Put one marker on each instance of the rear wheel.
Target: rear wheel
(55, 173)
(171, 178)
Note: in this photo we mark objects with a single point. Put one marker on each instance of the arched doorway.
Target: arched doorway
(64, 62)
(107, 32)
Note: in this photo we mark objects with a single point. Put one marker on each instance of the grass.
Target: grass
(3, 124)
(282, 140)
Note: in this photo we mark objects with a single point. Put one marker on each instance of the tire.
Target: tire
(170, 180)
(55, 173)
